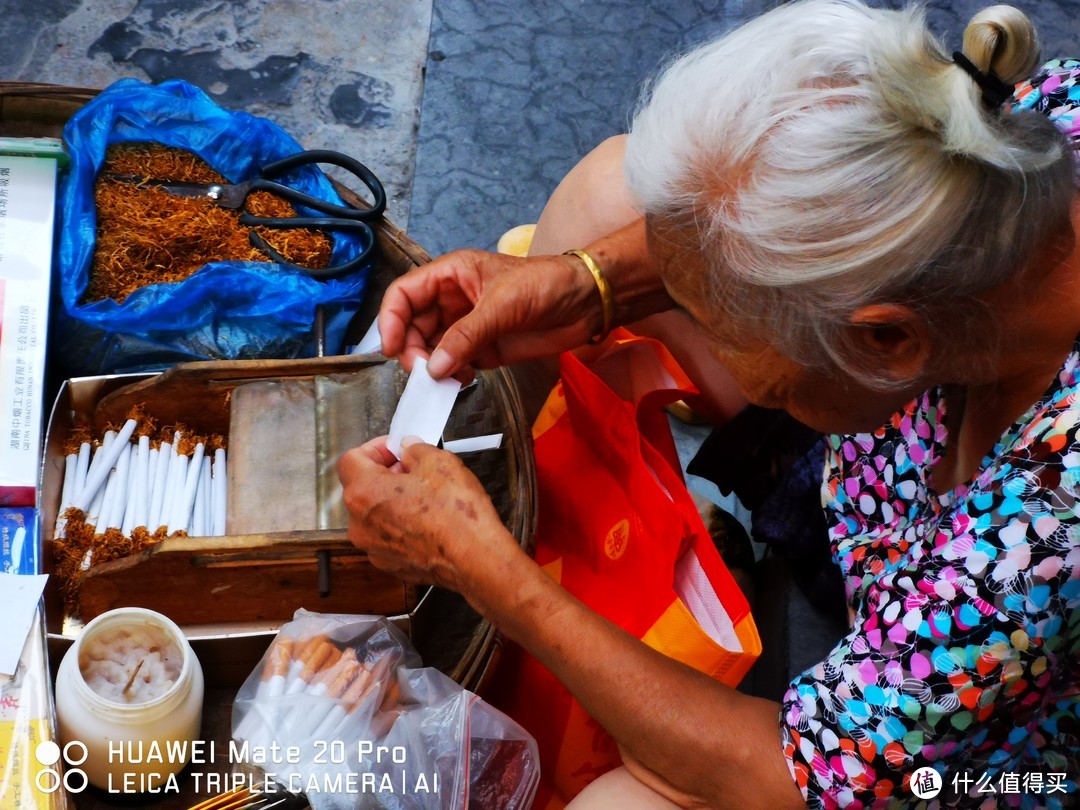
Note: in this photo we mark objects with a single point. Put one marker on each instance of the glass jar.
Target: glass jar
(137, 746)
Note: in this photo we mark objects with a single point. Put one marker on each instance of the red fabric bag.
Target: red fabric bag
(619, 530)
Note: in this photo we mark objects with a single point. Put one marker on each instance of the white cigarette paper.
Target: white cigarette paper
(96, 477)
(221, 492)
(116, 494)
(492, 441)
(71, 462)
(191, 484)
(81, 469)
(371, 342)
(177, 496)
(161, 474)
(424, 408)
(127, 523)
(142, 484)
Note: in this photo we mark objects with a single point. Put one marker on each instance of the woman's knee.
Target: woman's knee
(619, 788)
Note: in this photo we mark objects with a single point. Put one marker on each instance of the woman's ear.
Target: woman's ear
(893, 335)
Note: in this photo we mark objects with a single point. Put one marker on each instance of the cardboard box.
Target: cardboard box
(27, 202)
(27, 716)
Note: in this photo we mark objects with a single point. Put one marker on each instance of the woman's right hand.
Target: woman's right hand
(471, 308)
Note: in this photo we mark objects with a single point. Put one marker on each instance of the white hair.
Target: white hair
(828, 155)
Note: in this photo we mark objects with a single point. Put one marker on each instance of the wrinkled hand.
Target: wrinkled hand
(425, 518)
(471, 308)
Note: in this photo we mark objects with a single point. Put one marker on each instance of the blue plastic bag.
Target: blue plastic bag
(226, 310)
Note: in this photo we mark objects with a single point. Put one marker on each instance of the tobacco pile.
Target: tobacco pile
(146, 235)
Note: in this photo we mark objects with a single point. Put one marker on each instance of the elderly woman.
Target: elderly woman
(865, 238)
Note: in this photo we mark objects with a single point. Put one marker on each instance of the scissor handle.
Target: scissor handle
(365, 231)
(315, 156)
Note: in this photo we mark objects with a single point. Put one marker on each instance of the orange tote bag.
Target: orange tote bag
(619, 530)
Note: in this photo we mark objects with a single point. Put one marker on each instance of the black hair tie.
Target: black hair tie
(995, 92)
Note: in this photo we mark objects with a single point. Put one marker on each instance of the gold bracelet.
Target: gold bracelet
(606, 298)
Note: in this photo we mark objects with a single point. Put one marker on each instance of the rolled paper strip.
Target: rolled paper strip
(177, 496)
(127, 522)
(142, 485)
(151, 480)
(208, 507)
(81, 469)
(70, 461)
(93, 516)
(161, 476)
(96, 477)
(113, 512)
(99, 453)
(221, 492)
(202, 494)
(191, 484)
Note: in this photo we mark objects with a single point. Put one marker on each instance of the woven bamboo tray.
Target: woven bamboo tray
(446, 631)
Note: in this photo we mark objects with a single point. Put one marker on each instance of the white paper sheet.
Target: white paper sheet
(492, 441)
(424, 408)
(19, 597)
(371, 342)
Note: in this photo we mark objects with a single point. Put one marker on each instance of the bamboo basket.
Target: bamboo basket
(447, 632)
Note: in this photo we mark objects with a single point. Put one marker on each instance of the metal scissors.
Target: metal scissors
(338, 217)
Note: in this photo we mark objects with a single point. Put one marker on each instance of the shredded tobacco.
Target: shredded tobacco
(69, 551)
(146, 235)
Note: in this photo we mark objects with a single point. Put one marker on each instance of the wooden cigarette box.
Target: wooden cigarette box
(247, 583)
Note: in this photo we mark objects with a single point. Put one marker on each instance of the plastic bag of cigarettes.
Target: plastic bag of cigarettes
(339, 709)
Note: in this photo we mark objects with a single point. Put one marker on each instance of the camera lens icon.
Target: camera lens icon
(49, 779)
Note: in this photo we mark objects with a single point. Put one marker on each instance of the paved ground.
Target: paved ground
(515, 92)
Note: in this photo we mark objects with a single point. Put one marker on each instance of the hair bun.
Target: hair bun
(1002, 39)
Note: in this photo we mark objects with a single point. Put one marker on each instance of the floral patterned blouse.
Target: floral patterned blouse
(964, 653)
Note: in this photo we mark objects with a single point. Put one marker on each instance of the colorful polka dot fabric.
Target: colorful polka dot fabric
(965, 649)
(1055, 92)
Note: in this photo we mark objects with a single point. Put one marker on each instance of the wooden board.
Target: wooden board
(202, 580)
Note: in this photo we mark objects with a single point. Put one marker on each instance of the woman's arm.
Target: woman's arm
(428, 519)
(485, 309)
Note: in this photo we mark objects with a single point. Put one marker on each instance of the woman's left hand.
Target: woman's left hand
(425, 518)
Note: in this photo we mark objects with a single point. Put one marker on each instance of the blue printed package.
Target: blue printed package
(19, 549)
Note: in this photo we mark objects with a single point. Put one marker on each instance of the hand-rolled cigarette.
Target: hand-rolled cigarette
(221, 492)
(199, 523)
(140, 514)
(96, 477)
(334, 723)
(93, 516)
(271, 685)
(191, 484)
(208, 505)
(177, 495)
(99, 454)
(81, 469)
(161, 475)
(71, 462)
(127, 522)
(314, 658)
(331, 684)
(117, 493)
